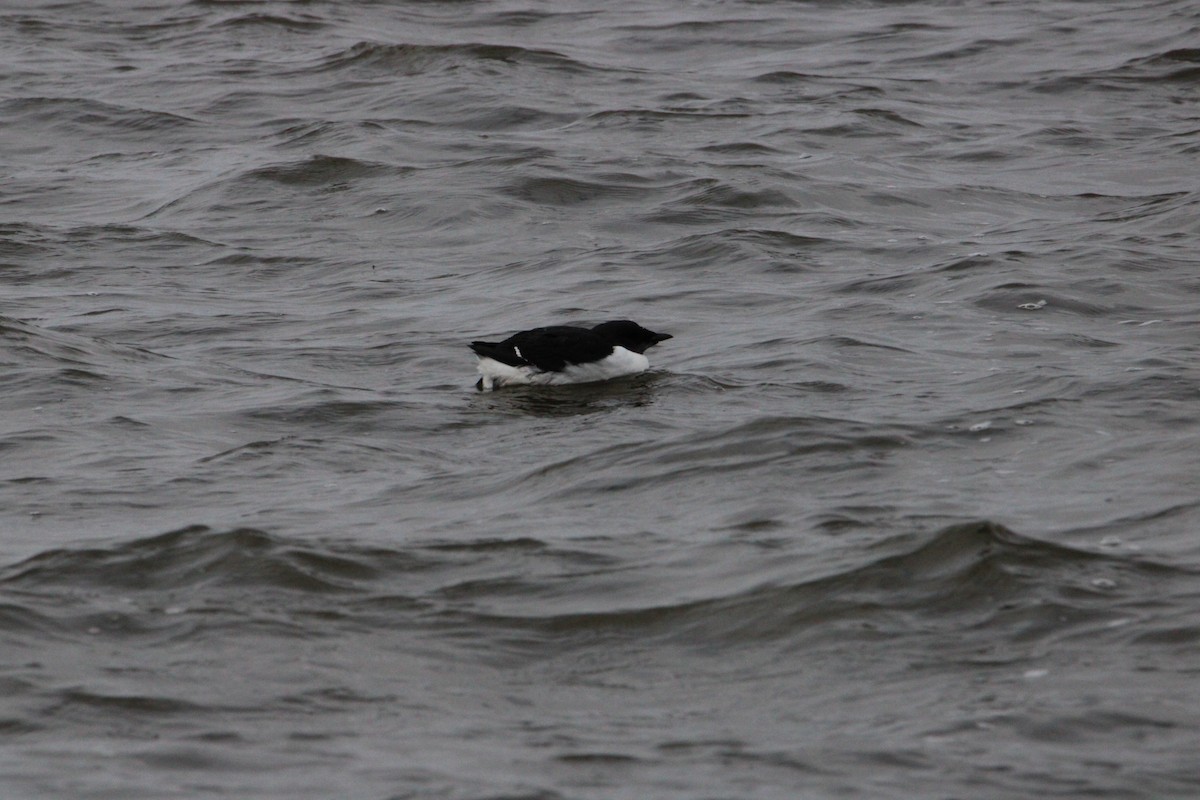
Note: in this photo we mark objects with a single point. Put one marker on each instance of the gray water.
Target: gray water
(908, 507)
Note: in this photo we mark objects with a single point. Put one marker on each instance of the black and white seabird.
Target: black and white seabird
(565, 354)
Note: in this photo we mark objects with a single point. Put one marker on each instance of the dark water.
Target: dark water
(908, 507)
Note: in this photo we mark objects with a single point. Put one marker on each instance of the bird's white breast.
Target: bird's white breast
(495, 373)
(619, 362)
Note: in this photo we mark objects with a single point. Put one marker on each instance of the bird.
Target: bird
(565, 354)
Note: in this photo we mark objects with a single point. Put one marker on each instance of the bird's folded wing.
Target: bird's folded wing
(551, 349)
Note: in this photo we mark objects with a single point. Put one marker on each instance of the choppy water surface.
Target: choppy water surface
(907, 508)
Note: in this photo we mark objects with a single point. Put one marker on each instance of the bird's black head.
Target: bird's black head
(630, 335)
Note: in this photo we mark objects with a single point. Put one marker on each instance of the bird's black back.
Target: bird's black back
(549, 349)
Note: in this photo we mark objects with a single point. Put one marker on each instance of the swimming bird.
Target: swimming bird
(565, 354)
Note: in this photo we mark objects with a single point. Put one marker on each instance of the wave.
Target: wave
(31, 353)
(248, 187)
(319, 170)
(300, 23)
(85, 116)
(984, 593)
(405, 58)
(988, 586)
